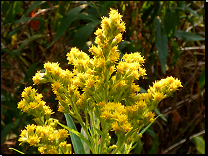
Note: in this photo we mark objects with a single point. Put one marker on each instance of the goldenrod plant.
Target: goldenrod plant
(103, 89)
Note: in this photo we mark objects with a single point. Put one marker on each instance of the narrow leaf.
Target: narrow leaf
(66, 21)
(83, 34)
(161, 42)
(76, 141)
(187, 36)
(86, 147)
(77, 134)
(86, 16)
(37, 3)
(99, 131)
(149, 124)
(27, 41)
(17, 150)
(158, 113)
(155, 143)
(138, 148)
(171, 21)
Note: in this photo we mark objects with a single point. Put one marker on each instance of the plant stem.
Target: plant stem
(120, 143)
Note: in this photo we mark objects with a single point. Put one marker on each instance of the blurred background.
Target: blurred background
(169, 34)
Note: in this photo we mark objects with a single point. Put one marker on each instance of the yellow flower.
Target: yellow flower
(38, 78)
(47, 110)
(42, 150)
(116, 127)
(21, 104)
(96, 51)
(126, 127)
(63, 144)
(61, 108)
(23, 136)
(52, 136)
(121, 118)
(56, 86)
(62, 133)
(27, 90)
(150, 116)
(33, 105)
(30, 128)
(98, 32)
(158, 96)
(79, 59)
(106, 115)
(33, 140)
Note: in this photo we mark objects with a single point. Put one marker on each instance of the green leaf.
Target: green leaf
(75, 135)
(202, 80)
(145, 129)
(139, 147)
(154, 13)
(5, 131)
(155, 143)
(83, 34)
(17, 8)
(9, 17)
(86, 147)
(123, 44)
(149, 124)
(86, 16)
(158, 113)
(32, 70)
(107, 4)
(147, 12)
(182, 6)
(142, 90)
(5, 6)
(37, 3)
(200, 144)
(187, 36)
(171, 21)
(66, 21)
(161, 42)
(11, 33)
(27, 41)
(17, 150)
(25, 19)
(99, 131)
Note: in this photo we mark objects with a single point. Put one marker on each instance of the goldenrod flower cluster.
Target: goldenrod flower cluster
(44, 136)
(104, 89)
(33, 104)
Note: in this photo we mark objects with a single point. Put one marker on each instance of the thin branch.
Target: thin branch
(183, 140)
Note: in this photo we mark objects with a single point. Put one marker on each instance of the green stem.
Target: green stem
(105, 129)
(120, 143)
(78, 117)
(102, 141)
(95, 135)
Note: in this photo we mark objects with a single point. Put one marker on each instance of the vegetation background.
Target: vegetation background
(169, 34)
